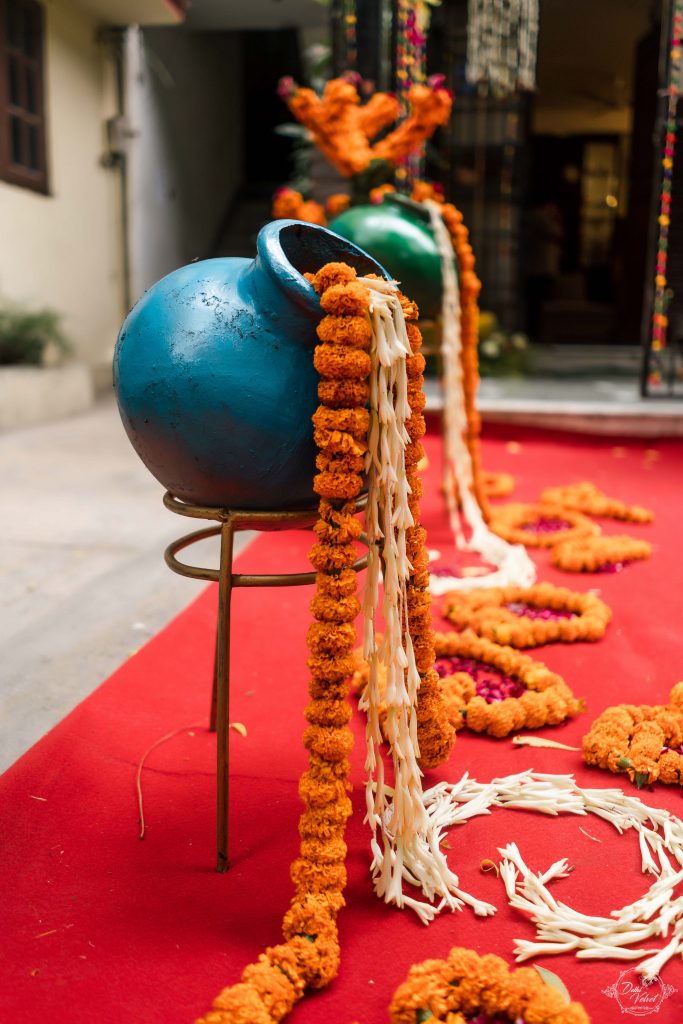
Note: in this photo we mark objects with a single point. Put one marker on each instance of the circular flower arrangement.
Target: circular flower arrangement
(586, 497)
(528, 616)
(539, 526)
(644, 741)
(598, 554)
(470, 989)
(494, 689)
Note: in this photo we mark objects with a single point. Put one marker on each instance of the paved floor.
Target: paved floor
(82, 578)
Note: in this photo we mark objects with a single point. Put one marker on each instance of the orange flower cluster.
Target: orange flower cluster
(290, 204)
(342, 128)
(547, 701)
(378, 194)
(645, 741)
(309, 956)
(587, 498)
(515, 523)
(497, 485)
(465, 985)
(435, 733)
(488, 613)
(591, 554)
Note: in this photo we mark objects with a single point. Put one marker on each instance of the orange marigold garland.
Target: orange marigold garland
(469, 288)
(465, 984)
(434, 734)
(587, 498)
(598, 554)
(529, 616)
(539, 526)
(644, 741)
(523, 693)
(309, 956)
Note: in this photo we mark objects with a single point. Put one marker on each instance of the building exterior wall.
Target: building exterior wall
(185, 154)
(63, 250)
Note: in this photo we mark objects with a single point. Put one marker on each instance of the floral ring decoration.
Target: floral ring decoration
(644, 741)
(539, 526)
(497, 690)
(599, 554)
(466, 988)
(528, 616)
(589, 499)
(488, 687)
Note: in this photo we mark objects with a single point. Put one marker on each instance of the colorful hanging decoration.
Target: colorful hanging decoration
(660, 320)
(502, 42)
(412, 25)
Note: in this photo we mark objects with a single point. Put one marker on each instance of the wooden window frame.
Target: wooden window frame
(21, 174)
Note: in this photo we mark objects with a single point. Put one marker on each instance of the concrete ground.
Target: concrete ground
(83, 581)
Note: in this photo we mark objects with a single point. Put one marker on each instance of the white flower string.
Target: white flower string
(514, 566)
(559, 927)
(403, 836)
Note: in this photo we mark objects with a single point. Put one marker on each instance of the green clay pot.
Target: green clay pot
(397, 233)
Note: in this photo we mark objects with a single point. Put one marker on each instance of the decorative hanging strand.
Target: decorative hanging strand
(660, 320)
(514, 567)
(502, 42)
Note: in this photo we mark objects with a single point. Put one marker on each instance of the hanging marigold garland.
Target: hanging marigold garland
(598, 554)
(469, 287)
(644, 741)
(456, 990)
(529, 616)
(524, 693)
(587, 498)
(309, 956)
(540, 526)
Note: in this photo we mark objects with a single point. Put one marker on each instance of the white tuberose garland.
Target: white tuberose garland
(514, 567)
(560, 928)
(405, 849)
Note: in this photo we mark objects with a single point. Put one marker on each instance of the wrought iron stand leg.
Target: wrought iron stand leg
(222, 676)
(214, 686)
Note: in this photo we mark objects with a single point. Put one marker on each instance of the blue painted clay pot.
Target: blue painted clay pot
(397, 232)
(214, 375)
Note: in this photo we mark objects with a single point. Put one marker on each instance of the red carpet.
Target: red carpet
(99, 927)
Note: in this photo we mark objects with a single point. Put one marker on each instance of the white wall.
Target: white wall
(62, 250)
(184, 104)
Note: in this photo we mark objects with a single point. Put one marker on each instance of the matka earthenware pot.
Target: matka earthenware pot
(214, 375)
(397, 232)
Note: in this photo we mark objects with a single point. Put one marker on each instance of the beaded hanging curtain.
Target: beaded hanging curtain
(502, 40)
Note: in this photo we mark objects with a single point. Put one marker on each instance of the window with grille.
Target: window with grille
(22, 107)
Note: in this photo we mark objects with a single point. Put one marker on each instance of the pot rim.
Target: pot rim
(318, 246)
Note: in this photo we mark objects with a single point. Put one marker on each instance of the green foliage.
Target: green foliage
(24, 335)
